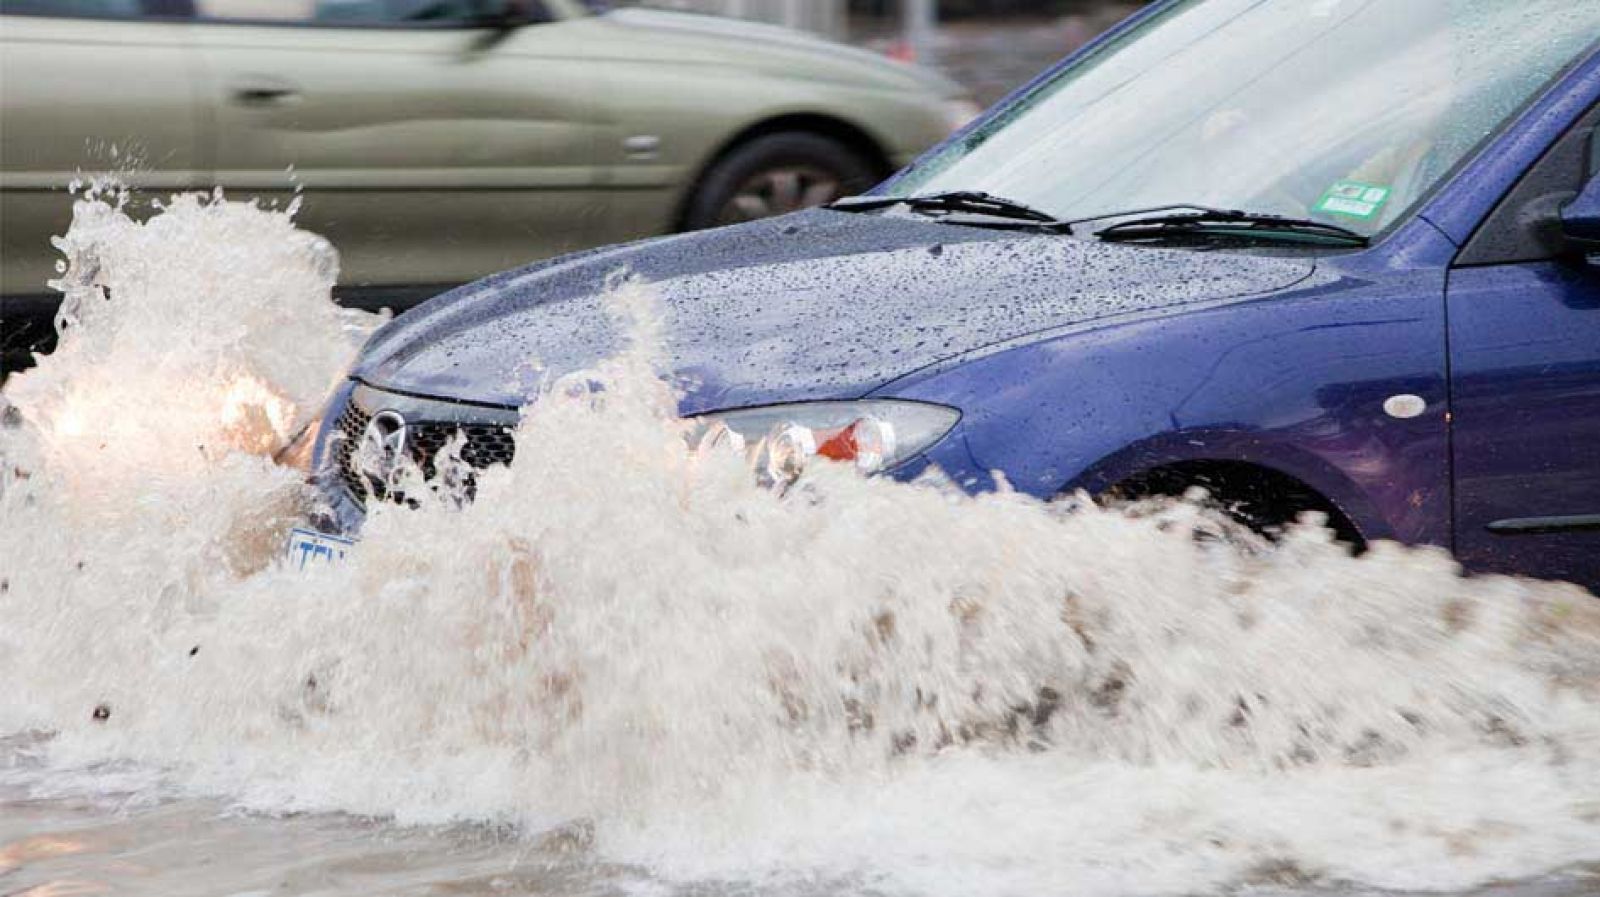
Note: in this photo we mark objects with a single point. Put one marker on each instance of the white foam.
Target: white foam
(865, 681)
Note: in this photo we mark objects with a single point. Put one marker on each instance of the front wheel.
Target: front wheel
(774, 175)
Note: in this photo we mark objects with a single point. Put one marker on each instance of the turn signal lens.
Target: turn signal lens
(868, 442)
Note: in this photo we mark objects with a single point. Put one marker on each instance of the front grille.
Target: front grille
(486, 444)
(352, 424)
(430, 425)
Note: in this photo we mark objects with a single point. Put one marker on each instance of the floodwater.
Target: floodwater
(203, 847)
(625, 669)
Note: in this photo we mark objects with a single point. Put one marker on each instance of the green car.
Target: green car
(435, 141)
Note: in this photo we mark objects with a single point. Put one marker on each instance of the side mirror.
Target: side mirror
(1580, 219)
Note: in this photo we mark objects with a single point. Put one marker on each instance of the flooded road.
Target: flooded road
(201, 848)
(625, 669)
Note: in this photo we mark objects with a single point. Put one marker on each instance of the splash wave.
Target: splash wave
(899, 686)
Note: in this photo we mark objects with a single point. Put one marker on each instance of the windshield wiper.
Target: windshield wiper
(1178, 220)
(955, 201)
(1169, 221)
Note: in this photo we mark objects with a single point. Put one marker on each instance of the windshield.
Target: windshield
(1344, 111)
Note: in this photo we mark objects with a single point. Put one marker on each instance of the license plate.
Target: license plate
(307, 547)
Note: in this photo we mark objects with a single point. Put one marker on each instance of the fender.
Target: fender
(1296, 381)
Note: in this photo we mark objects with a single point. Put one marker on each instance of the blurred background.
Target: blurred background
(438, 141)
(991, 46)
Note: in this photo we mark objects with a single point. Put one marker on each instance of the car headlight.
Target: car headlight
(297, 452)
(781, 440)
(959, 113)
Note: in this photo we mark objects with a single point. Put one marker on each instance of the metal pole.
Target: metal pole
(921, 20)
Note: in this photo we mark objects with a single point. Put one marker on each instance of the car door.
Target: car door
(1524, 314)
(430, 149)
(86, 86)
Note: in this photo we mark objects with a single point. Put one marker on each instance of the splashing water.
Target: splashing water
(897, 688)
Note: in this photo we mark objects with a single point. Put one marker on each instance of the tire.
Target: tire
(776, 174)
(1239, 502)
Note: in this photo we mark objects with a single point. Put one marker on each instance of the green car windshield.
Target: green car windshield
(1342, 111)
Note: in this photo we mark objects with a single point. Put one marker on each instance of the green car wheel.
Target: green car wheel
(777, 174)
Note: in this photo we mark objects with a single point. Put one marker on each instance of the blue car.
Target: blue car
(1310, 255)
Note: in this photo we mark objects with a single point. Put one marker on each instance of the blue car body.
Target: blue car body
(1081, 365)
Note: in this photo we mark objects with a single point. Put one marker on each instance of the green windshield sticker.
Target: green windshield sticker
(1354, 199)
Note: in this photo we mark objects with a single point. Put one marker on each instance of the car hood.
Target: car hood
(724, 42)
(810, 306)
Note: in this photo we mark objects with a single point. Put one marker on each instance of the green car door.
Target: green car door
(86, 86)
(430, 147)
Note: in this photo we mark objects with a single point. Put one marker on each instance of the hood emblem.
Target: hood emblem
(382, 448)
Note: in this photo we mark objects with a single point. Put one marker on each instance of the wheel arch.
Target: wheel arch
(1288, 479)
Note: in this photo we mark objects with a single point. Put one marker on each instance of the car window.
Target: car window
(1525, 227)
(97, 9)
(1347, 111)
(353, 12)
